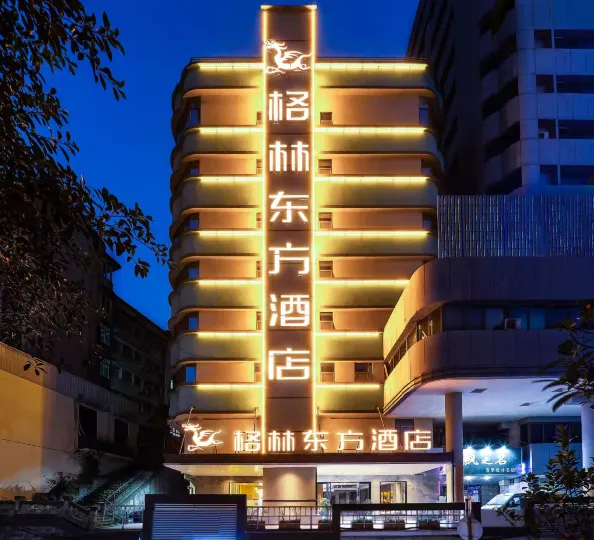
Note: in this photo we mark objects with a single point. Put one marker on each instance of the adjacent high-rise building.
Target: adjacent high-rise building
(517, 80)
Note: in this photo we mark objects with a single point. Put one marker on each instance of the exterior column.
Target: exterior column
(454, 444)
(587, 414)
(289, 486)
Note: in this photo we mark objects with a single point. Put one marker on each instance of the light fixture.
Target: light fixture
(349, 386)
(372, 233)
(486, 450)
(230, 129)
(240, 66)
(364, 282)
(468, 477)
(399, 130)
(373, 66)
(374, 179)
(228, 179)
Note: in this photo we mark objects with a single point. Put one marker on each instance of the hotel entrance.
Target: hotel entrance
(344, 493)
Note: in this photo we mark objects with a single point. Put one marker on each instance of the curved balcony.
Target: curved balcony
(216, 345)
(224, 293)
(374, 192)
(342, 293)
(215, 398)
(349, 398)
(217, 140)
(348, 243)
(217, 192)
(246, 243)
(348, 345)
(370, 140)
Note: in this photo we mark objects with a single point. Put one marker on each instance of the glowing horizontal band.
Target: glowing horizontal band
(225, 386)
(228, 233)
(229, 282)
(374, 179)
(227, 179)
(226, 335)
(387, 66)
(229, 65)
(412, 130)
(374, 234)
(364, 282)
(229, 129)
(353, 386)
(348, 334)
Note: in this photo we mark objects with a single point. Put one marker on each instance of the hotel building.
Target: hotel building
(303, 200)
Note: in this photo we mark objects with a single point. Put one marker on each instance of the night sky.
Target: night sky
(126, 145)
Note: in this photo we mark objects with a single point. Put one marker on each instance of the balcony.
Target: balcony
(246, 294)
(374, 192)
(349, 397)
(215, 345)
(239, 243)
(369, 140)
(217, 140)
(211, 399)
(353, 345)
(343, 293)
(217, 192)
(349, 243)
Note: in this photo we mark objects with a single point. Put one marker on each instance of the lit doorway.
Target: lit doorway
(392, 492)
(345, 493)
(252, 491)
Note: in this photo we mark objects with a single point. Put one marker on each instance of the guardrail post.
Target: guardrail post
(92, 518)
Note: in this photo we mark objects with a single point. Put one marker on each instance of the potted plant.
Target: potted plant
(429, 522)
(325, 524)
(394, 524)
(290, 524)
(362, 523)
(254, 524)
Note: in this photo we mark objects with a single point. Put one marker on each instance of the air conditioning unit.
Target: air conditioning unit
(512, 324)
(543, 134)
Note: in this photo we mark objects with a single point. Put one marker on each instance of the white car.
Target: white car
(490, 516)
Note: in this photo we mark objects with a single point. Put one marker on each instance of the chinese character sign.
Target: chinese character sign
(489, 461)
(287, 216)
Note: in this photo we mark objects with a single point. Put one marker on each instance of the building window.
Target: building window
(574, 39)
(496, 102)
(499, 145)
(126, 352)
(324, 166)
(325, 220)
(192, 223)
(258, 269)
(326, 269)
(259, 220)
(423, 111)
(576, 129)
(87, 422)
(192, 170)
(193, 323)
(104, 368)
(193, 114)
(363, 371)
(547, 129)
(193, 271)
(576, 175)
(543, 39)
(392, 492)
(259, 118)
(126, 376)
(258, 320)
(257, 372)
(549, 175)
(259, 166)
(190, 374)
(496, 59)
(116, 371)
(545, 84)
(327, 372)
(326, 320)
(326, 118)
(120, 432)
(104, 334)
(137, 381)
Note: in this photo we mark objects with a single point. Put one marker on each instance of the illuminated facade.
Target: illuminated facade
(303, 200)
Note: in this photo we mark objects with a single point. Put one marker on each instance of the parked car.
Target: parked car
(490, 512)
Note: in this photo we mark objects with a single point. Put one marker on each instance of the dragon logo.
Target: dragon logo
(285, 60)
(202, 438)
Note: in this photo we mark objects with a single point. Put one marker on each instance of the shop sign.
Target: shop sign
(492, 461)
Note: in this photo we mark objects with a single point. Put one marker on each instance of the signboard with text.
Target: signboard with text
(492, 461)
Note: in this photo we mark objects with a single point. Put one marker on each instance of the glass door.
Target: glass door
(392, 492)
(252, 491)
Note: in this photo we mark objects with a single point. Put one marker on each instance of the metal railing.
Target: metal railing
(289, 517)
(118, 516)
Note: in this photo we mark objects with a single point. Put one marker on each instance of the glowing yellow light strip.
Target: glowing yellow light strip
(313, 34)
(364, 282)
(348, 334)
(382, 66)
(228, 179)
(229, 65)
(224, 334)
(228, 233)
(412, 130)
(350, 386)
(230, 129)
(375, 179)
(264, 258)
(215, 282)
(374, 234)
(226, 386)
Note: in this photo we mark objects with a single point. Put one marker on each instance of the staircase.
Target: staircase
(119, 487)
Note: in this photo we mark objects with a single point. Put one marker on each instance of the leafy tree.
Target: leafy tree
(557, 502)
(54, 227)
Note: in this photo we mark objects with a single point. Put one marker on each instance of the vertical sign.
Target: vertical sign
(288, 273)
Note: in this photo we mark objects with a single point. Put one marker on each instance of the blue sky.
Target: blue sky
(126, 145)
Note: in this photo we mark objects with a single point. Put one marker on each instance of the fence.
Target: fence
(289, 517)
(117, 516)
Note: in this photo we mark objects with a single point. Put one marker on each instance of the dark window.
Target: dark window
(192, 223)
(524, 434)
(193, 322)
(326, 269)
(193, 271)
(137, 381)
(574, 39)
(120, 432)
(545, 84)
(126, 376)
(498, 57)
(549, 175)
(326, 118)
(507, 184)
(363, 371)
(575, 84)
(423, 111)
(543, 39)
(192, 169)
(190, 374)
(327, 372)
(87, 420)
(104, 368)
(576, 129)
(258, 166)
(576, 175)
(496, 102)
(497, 146)
(324, 166)
(447, 68)
(104, 334)
(547, 129)
(259, 118)
(493, 19)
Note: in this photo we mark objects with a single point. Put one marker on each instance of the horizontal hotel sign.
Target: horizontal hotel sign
(288, 442)
(492, 461)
